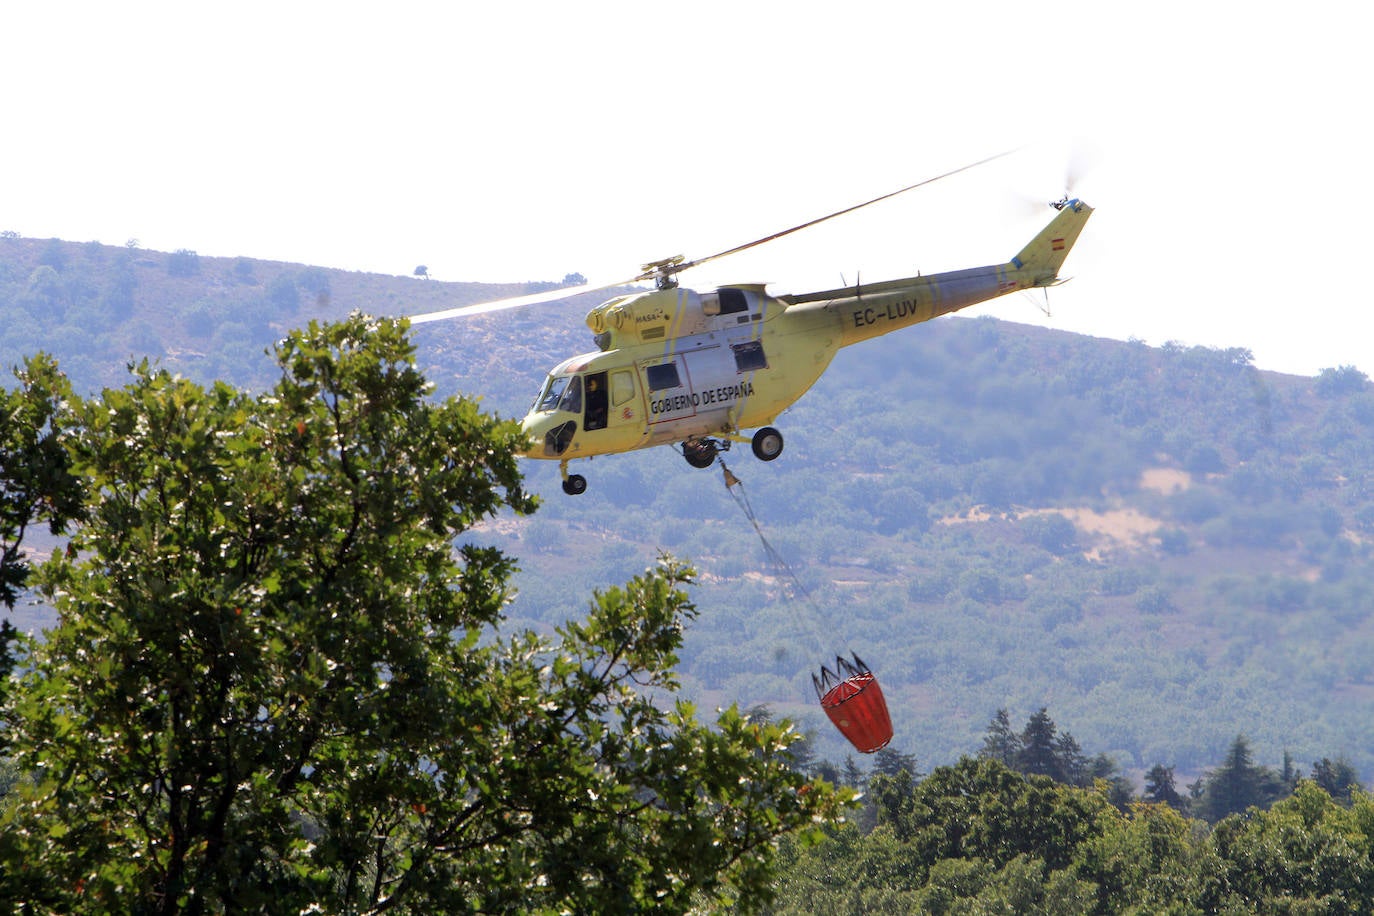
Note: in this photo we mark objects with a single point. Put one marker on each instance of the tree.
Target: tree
(274, 685)
(1238, 784)
(284, 294)
(54, 255)
(1052, 531)
(183, 263)
(979, 809)
(1338, 778)
(1000, 743)
(1340, 381)
(1306, 854)
(1160, 789)
(422, 271)
(35, 484)
(1040, 745)
(888, 761)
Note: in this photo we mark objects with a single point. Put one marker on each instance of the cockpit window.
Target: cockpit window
(553, 390)
(572, 398)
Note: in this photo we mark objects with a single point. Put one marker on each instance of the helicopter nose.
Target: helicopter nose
(546, 438)
(534, 439)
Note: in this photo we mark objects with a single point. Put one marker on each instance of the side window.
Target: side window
(596, 402)
(749, 356)
(663, 376)
(622, 387)
(732, 301)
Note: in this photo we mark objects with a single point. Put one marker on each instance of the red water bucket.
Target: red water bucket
(851, 697)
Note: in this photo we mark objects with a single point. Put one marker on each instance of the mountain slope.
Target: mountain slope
(1165, 546)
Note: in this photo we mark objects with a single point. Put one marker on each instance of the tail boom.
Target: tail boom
(865, 312)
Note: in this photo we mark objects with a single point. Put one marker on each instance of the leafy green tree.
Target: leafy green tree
(118, 294)
(284, 295)
(1105, 771)
(1148, 861)
(35, 479)
(54, 255)
(980, 809)
(36, 485)
(183, 263)
(1337, 778)
(274, 685)
(1340, 381)
(1052, 531)
(1307, 854)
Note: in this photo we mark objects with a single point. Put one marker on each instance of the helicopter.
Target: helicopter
(675, 366)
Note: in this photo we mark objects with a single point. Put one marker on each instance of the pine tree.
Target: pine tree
(1239, 784)
(1039, 754)
(1000, 743)
(1160, 789)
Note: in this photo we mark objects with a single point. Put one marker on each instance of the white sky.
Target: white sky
(1225, 145)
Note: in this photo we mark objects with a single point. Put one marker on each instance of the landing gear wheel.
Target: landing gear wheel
(575, 485)
(767, 444)
(700, 453)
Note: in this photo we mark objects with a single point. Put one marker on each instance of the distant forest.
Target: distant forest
(1166, 548)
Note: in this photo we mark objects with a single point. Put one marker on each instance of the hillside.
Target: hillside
(1165, 546)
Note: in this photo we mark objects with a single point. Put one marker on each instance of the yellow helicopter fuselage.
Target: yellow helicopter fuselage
(678, 366)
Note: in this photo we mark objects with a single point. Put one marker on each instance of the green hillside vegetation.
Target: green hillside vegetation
(1167, 547)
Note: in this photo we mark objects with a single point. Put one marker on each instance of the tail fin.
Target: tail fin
(1045, 254)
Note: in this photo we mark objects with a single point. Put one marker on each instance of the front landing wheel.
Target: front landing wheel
(575, 485)
(767, 444)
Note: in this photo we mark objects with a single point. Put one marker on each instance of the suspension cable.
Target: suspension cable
(735, 486)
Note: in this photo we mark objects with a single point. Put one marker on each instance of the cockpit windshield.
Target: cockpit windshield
(572, 398)
(562, 392)
(553, 390)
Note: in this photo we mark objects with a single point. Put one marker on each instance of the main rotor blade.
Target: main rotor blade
(807, 225)
(659, 271)
(499, 305)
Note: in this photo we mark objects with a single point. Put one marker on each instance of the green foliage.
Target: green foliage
(284, 294)
(978, 838)
(183, 263)
(1306, 854)
(1343, 380)
(1052, 532)
(1238, 784)
(36, 483)
(36, 487)
(275, 686)
(1337, 778)
(1160, 788)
